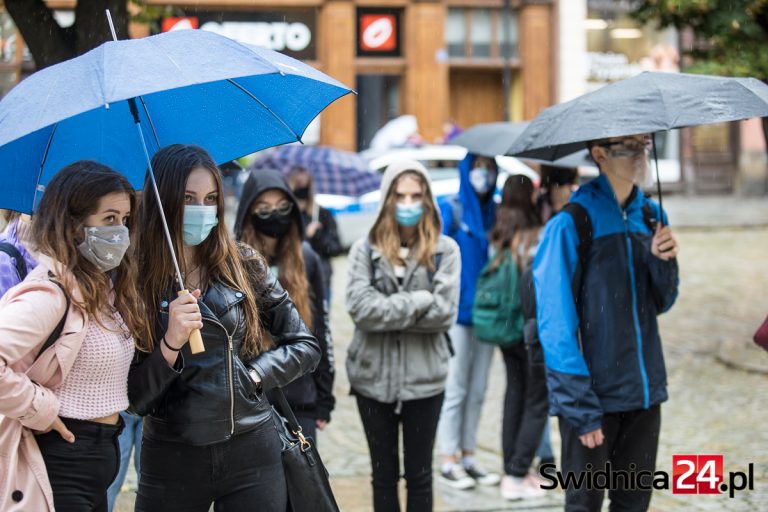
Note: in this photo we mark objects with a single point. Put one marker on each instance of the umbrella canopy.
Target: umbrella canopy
(489, 139)
(335, 172)
(191, 87)
(646, 103)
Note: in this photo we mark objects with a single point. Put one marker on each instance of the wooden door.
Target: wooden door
(476, 97)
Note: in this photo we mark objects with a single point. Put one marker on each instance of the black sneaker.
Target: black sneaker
(481, 477)
(457, 478)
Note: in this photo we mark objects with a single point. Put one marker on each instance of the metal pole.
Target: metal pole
(658, 178)
(506, 73)
(195, 338)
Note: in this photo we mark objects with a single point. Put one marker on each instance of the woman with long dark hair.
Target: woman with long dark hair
(403, 295)
(269, 220)
(320, 227)
(209, 437)
(68, 337)
(516, 232)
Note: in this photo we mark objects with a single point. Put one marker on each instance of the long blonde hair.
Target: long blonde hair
(385, 234)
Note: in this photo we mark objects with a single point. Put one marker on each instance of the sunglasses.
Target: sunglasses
(265, 212)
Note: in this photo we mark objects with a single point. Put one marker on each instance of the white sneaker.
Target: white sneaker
(514, 489)
(536, 481)
(481, 477)
(457, 478)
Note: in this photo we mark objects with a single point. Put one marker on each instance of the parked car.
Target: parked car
(355, 216)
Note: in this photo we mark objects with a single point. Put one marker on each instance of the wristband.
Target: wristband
(169, 346)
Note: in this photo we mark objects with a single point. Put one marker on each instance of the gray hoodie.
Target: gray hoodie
(400, 350)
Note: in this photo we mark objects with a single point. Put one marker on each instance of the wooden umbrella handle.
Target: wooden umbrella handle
(195, 338)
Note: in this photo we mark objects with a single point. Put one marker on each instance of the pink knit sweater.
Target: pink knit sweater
(97, 384)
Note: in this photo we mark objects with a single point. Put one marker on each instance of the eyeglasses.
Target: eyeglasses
(628, 148)
(264, 212)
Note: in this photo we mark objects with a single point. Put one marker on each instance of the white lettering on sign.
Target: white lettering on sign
(378, 33)
(276, 35)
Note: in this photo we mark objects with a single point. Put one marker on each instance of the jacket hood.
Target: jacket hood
(477, 216)
(393, 171)
(260, 181)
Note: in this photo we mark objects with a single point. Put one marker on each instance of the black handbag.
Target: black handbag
(305, 474)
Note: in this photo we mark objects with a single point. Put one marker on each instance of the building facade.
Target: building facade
(442, 61)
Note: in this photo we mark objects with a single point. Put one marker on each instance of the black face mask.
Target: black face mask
(301, 193)
(274, 226)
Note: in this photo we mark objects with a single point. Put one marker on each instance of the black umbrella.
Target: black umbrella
(646, 103)
(580, 158)
(489, 139)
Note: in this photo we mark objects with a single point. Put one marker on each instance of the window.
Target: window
(480, 33)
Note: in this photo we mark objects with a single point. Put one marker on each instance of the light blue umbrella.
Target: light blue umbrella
(188, 86)
(122, 101)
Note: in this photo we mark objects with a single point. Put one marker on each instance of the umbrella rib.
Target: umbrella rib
(663, 101)
(247, 92)
(42, 164)
(151, 124)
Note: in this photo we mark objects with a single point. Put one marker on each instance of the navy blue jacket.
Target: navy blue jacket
(601, 341)
(471, 234)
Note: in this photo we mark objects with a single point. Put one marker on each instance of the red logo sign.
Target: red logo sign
(697, 474)
(179, 23)
(378, 32)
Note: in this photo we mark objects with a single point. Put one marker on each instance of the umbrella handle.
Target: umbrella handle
(195, 338)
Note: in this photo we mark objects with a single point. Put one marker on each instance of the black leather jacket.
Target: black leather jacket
(209, 397)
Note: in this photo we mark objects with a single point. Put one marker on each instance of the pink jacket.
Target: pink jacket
(29, 313)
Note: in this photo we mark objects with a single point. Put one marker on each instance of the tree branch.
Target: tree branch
(46, 40)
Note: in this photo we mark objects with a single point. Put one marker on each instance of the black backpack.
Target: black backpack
(13, 252)
(584, 231)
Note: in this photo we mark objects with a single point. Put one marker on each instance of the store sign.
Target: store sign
(171, 24)
(277, 35)
(378, 33)
(289, 33)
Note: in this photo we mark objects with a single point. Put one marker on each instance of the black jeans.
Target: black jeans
(242, 473)
(81, 472)
(525, 407)
(382, 424)
(630, 438)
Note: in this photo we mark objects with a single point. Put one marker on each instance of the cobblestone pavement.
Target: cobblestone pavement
(713, 408)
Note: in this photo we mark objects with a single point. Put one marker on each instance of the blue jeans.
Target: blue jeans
(544, 450)
(130, 437)
(464, 392)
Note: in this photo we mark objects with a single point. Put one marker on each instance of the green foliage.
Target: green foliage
(731, 35)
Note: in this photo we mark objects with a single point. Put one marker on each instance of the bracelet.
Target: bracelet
(169, 346)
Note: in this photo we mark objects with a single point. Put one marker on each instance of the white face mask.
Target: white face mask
(479, 178)
(105, 246)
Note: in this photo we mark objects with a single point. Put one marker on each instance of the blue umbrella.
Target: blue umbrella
(188, 86)
(334, 171)
(122, 101)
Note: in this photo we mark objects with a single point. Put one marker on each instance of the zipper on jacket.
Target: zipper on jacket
(635, 316)
(230, 376)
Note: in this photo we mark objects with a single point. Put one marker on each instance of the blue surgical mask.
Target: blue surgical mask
(198, 223)
(479, 178)
(408, 215)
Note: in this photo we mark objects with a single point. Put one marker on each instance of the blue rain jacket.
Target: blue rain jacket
(602, 351)
(470, 234)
